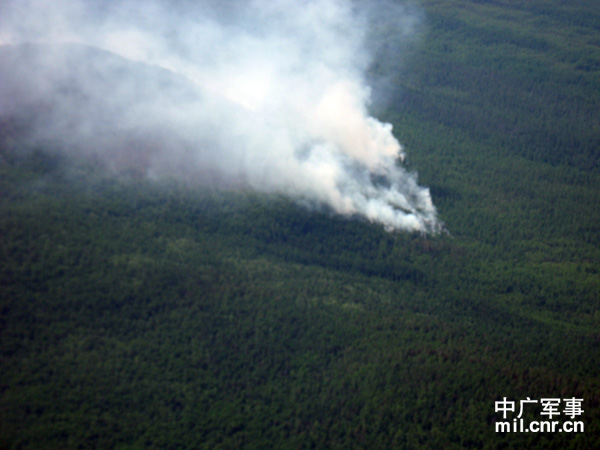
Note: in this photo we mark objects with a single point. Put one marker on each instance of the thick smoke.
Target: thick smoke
(268, 94)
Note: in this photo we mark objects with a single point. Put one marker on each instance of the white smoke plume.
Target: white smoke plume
(269, 94)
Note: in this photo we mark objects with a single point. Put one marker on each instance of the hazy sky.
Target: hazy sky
(269, 94)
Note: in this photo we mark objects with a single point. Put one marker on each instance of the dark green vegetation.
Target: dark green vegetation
(135, 315)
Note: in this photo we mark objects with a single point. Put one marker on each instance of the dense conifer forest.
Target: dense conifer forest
(137, 313)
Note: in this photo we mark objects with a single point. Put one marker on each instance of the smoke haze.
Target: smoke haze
(268, 94)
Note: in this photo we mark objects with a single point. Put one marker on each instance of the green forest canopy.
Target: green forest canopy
(144, 315)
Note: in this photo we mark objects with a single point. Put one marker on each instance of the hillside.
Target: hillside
(141, 313)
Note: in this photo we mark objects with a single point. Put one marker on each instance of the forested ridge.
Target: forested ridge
(153, 314)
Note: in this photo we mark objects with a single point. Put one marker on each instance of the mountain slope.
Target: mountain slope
(151, 314)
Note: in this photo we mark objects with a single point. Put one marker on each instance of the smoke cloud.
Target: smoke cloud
(267, 94)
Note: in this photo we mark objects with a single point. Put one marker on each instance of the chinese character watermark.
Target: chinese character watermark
(548, 409)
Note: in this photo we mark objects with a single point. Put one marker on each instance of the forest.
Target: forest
(138, 314)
